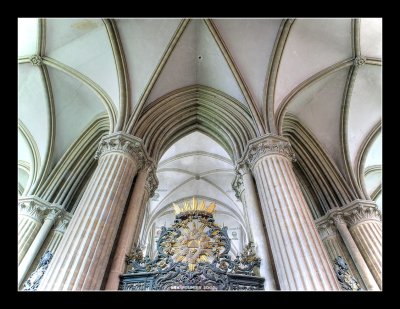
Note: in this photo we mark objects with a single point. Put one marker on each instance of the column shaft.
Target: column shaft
(27, 230)
(84, 251)
(365, 227)
(335, 247)
(369, 239)
(355, 254)
(30, 218)
(258, 232)
(52, 241)
(35, 246)
(299, 254)
(127, 234)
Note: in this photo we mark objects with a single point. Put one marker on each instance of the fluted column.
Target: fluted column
(53, 238)
(355, 253)
(51, 215)
(30, 218)
(365, 226)
(335, 246)
(57, 234)
(299, 255)
(258, 232)
(149, 190)
(84, 251)
(130, 226)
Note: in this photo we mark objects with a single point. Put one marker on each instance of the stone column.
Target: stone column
(354, 251)
(30, 218)
(57, 233)
(299, 255)
(53, 239)
(365, 225)
(84, 251)
(335, 246)
(258, 231)
(37, 243)
(131, 224)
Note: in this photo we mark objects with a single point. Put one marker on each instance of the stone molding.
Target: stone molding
(126, 144)
(151, 184)
(269, 144)
(352, 214)
(237, 185)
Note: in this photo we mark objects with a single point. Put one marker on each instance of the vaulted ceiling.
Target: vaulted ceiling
(324, 72)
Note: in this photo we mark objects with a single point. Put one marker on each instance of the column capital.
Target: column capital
(338, 218)
(353, 213)
(151, 182)
(127, 144)
(61, 225)
(33, 207)
(52, 213)
(62, 220)
(327, 229)
(360, 212)
(269, 144)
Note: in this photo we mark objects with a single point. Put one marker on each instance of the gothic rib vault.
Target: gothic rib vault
(188, 97)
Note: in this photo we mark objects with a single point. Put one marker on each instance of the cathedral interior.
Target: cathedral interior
(200, 154)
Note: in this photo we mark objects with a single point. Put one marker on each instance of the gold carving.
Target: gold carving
(190, 208)
(196, 239)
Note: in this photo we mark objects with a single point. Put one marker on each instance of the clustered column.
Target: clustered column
(334, 244)
(144, 187)
(365, 225)
(253, 209)
(83, 254)
(57, 233)
(359, 226)
(50, 216)
(299, 255)
(30, 218)
(53, 238)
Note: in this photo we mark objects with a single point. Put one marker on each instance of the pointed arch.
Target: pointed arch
(326, 180)
(192, 108)
(362, 156)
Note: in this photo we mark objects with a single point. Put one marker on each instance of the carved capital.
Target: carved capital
(338, 218)
(362, 213)
(52, 213)
(36, 60)
(122, 143)
(327, 229)
(269, 144)
(61, 224)
(151, 183)
(33, 207)
(62, 221)
(359, 61)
